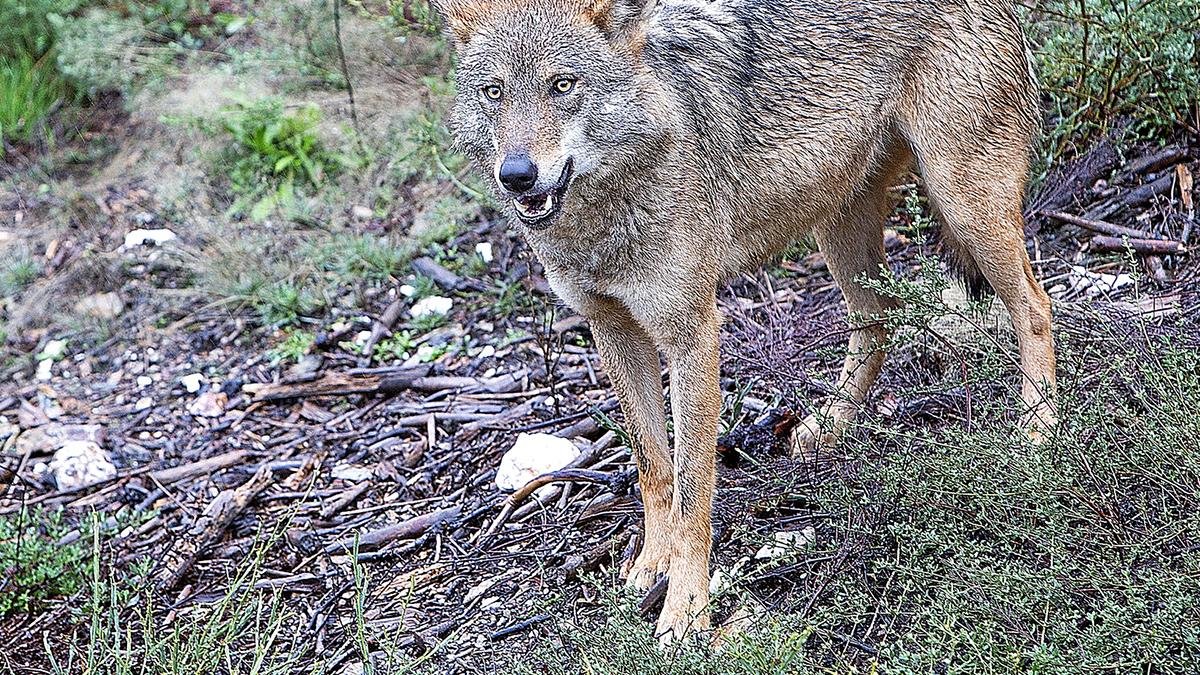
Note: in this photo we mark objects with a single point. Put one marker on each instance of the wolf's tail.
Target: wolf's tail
(962, 265)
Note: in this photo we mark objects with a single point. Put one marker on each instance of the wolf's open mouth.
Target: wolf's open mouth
(540, 208)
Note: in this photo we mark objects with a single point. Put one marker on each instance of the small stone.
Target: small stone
(787, 543)
(209, 404)
(7, 429)
(360, 212)
(351, 472)
(103, 306)
(143, 403)
(45, 370)
(152, 237)
(144, 381)
(54, 350)
(48, 437)
(192, 382)
(487, 352)
(407, 290)
(79, 464)
(434, 305)
(484, 250)
(531, 456)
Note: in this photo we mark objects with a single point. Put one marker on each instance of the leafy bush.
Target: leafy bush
(28, 92)
(35, 567)
(101, 50)
(1106, 63)
(30, 86)
(273, 153)
(16, 272)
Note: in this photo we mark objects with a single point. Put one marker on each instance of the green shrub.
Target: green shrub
(17, 272)
(29, 90)
(26, 26)
(101, 50)
(30, 86)
(1107, 63)
(35, 567)
(273, 154)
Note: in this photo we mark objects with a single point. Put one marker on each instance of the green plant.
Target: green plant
(104, 50)
(1105, 64)
(35, 566)
(29, 90)
(273, 154)
(367, 256)
(427, 323)
(399, 346)
(18, 272)
(295, 345)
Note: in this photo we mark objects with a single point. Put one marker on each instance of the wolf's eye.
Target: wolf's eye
(563, 85)
(492, 92)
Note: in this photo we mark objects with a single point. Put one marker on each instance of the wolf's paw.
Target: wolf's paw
(650, 565)
(810, 436)
(684, 614)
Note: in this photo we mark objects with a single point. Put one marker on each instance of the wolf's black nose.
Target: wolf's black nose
(518, 173)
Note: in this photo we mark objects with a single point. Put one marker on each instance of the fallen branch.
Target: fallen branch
(381, 381)
(441, 276)
(1156, 247)
(1132, 198)
(1100, 226)
(1155, 161)
(383, 326)
(408, 529)
(616, 482)
(209, 527)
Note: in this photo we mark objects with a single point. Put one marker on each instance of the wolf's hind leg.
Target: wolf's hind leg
(632, 363)
(979, 201)
(853, 247)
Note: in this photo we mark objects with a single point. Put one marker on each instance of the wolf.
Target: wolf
(649, 149)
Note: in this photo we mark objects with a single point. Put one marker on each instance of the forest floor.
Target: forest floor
(295, 472)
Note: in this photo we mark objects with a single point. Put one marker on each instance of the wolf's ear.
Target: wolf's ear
(616, 17)
(462, 17)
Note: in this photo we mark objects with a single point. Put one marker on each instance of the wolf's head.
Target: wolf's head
(549, 97)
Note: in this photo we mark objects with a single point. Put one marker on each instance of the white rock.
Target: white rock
(487, 352)
(54, 350)
(7, 429)
(351, 472)
(432, 305)
(153, 237)
(209, 404)
(192, 382)
(80, 463)
(143, 403)
(45, 369)
(144, 381)
(480, 588)
(787, 543)
(407, 290)
(360, 212)
(101, 306)
(6, 237)
(531, 456)
(1095, 284)
(484, 250)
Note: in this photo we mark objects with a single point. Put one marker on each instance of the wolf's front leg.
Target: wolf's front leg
(631, 361)
(694, 359)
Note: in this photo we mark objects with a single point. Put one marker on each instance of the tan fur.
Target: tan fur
(706, 136)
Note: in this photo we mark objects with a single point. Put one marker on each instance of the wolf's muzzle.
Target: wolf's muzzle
(538, 210)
